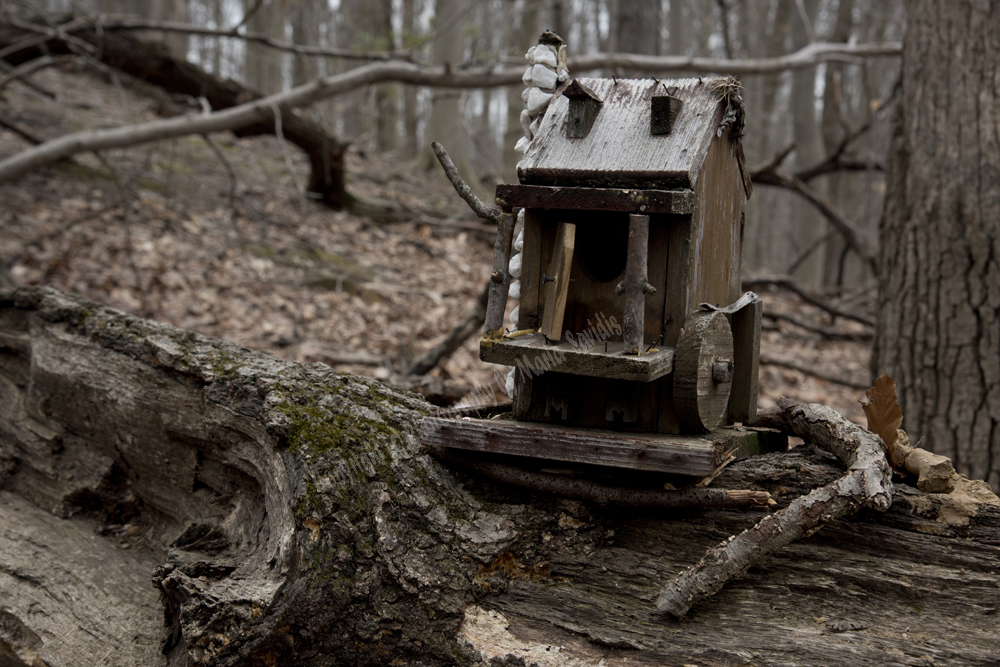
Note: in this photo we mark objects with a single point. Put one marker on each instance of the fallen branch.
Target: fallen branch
(772, 173)
(826, 334)
(807, 56)
(254, 112)
(787, 282)
(583, 489)
(258, 38)
(868, 483)
(770, 361)
(20, 131)
(30, 67)
(468, 326)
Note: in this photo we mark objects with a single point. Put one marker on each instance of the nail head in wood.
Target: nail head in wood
(664, 111)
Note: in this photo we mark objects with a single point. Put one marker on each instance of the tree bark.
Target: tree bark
(938, 331)
(286, 514)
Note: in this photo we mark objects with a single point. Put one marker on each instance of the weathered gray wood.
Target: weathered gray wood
(531, 272)
(664, 113)
(619, 150)
(746, 324)
(500, 278)
(584, 105)
(532, 352)
(652, 452)
(700, 395)
(557, 285)
(678, 202)
(635, 287)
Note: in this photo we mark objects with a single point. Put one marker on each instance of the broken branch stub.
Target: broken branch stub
(484, 211)
(868, 483)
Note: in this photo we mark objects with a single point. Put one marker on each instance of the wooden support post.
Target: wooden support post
(500, 278)
(557, 281)
(531, 271)
(635, 288)
(746, 362)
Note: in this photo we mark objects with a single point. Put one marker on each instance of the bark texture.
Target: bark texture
(938, 328)
(286, 515)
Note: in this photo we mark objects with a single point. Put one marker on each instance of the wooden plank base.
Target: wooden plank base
(533, 352)
(653, 452)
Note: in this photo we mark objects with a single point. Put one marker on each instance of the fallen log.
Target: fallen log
(170, 499)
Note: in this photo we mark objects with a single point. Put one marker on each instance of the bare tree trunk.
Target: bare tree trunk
(938, 328)
(638, 28)
(833, 133)
(525, 35)
(808, 225)
(386, 94)
(410, 127)
(169, 499)
(445, 121)
(263, 69)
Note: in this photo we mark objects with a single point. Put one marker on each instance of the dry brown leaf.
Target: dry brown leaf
(883, 412)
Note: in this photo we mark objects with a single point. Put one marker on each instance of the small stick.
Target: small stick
(583, 489)
(484, 211)
(868, 483)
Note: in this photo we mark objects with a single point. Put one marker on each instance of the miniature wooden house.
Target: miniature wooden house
(630, 315)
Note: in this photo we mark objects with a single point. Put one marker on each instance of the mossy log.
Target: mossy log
(170, 499)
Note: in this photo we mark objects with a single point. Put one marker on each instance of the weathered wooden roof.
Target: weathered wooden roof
(620, 150)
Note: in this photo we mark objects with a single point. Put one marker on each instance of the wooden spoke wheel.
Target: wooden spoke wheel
(703, 370)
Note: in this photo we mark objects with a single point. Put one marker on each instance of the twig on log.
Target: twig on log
(789, 283)
(826, 334)
(770, 361)
(582, 489)
(868, 483)
(470, 325)
(484, 211)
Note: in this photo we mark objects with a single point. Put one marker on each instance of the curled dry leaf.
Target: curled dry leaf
(883, 412)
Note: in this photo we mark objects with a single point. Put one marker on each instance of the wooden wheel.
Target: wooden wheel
(703, 370)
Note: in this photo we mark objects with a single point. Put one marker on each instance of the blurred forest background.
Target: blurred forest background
(220, 235)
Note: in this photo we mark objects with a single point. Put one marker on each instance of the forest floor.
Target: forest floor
(216, 238)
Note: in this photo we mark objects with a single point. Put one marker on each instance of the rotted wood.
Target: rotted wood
(635, 286)
(678, 202)
(703, 370)
(746, 323)
(605, 360)
(500, 278)
(557, 281)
